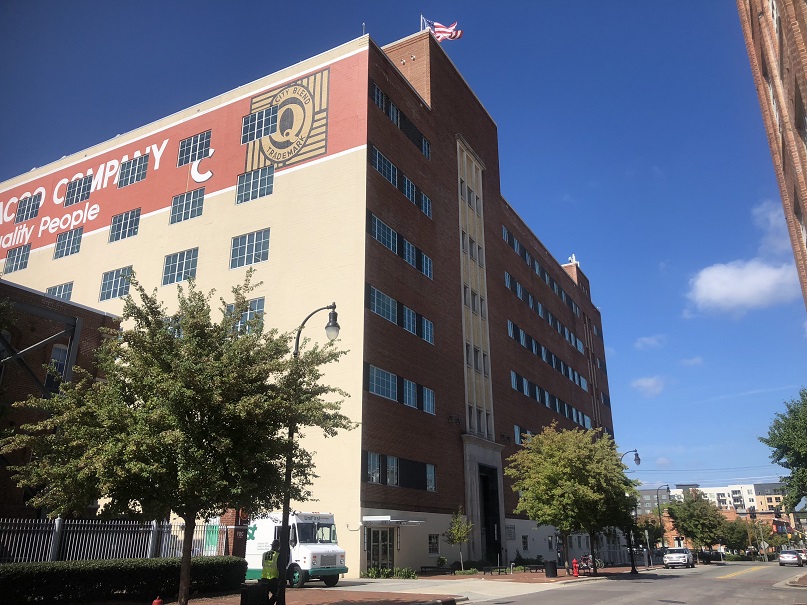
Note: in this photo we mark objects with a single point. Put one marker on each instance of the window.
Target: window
(410, 393)
(383, 305)
(394, 114)
(426, 148)
(187, 205)
(63, 291)
(431, 484)
(373, 467)
(255, 184)
(259, 124)
(472, 246)
(124, 225)
(410, 320)
(249, 249)
(17, 258)
(428, 330)
(133, 171)
(384, 234)
(410, 253)
(383, 383)
(428, 400)
(480, 255)
(468, 356)
(477, 360)
(378, 96)
(518, 432)
(386, 168)
(180, 266)
(27, 208)
(464, 241)
(194, 148)
(58, 359)
(427, 267)
(254, 311)
(485, 364)
(78, 191)
(115, 284)
(483, 307)
(392, 470)
(474, 302)
(425, 204)
(68, 242)
(434, 544)
(409, 190)
(525, 543)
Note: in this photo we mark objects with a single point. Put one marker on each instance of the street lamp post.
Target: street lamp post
(658, 505)
(331, 331)
(636, 461)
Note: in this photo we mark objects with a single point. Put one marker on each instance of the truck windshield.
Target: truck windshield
(316, 533)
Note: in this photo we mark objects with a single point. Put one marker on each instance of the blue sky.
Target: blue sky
(630, 136)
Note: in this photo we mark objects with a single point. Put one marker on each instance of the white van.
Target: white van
(314, 554)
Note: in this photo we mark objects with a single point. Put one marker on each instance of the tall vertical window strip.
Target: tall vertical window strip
(392, 470)
(124, 225)
(425, 204)
(428, 330)
(68, 242)
(63, 291)
(410, 320)
(383, 383)
(194, 148)
(249, 249)
(187, 205)
(373, 467)
(383, 305)
(133, 171)
(431, 479)
(259, 124)
(78, 191)
(410, 393)
(180, 266)
(386, 168)
(428, 400)
(255, 184)
(427, 266)
(115, 284)
(27, 208)
(384, 233)
(17, 258)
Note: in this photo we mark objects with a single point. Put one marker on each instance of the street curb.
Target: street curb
(442, 601)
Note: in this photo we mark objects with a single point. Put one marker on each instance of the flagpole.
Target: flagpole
(421, 23)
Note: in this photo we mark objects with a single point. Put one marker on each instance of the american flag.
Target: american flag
(440, 31)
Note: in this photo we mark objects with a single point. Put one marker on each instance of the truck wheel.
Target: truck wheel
(296, 576)
(330, 580)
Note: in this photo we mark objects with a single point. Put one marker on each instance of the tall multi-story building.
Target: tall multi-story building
(775, 33)
(367, 176)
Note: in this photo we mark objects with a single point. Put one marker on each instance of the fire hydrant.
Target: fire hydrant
(575, 568)
(157, 601)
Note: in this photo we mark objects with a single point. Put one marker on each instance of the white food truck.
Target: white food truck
(314, 553)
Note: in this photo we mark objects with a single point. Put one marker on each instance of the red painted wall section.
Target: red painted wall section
(346, 96)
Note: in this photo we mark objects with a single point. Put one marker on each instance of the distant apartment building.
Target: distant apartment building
(367, 176)
(775, 37)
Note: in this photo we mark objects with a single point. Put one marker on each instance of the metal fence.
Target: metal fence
(27, 540)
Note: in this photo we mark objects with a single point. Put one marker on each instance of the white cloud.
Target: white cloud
(742, 285)
(693, 361)
(649, 342)
(649, 386)
(663, 461)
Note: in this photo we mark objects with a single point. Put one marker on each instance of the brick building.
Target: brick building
(376, 173)
(43, 330)
(774, 32)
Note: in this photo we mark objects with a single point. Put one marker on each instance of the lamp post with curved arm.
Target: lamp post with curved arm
(658, 505)
(636, 461)
(331, 331)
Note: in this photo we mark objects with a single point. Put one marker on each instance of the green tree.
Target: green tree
(191, 417)
(649, 523)
(458, 532)
(787, 437)
(736, 534)
(573, 480)
(696, 518)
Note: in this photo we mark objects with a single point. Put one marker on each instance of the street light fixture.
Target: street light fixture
(658, 505)
(331, 331)
(636, 461)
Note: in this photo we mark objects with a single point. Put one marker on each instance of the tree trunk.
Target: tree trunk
(185, 566)
(462, 566)
(591, 537)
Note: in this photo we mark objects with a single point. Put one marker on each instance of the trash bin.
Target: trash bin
(551, 569)
(254, 593)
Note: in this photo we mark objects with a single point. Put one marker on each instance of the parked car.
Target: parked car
(802, 553)
(790, 557)
(678, 556)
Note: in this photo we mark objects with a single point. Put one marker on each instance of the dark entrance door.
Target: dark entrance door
(489, 509)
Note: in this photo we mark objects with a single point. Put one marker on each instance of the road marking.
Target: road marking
(742, 571)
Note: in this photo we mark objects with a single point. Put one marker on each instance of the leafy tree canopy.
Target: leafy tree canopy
(572, 480)
(697, 518)
(736, 534)
(650, 524)
(459, 531)
(787, 437)
(190, 417)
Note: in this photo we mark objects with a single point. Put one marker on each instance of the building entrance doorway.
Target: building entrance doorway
(489, 513)
(380, 547)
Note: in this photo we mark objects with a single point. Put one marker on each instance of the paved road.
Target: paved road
(736, 583)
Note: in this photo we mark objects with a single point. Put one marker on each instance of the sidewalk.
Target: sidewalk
(434, 590)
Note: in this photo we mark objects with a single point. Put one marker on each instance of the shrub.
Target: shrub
(382, 573)
(468, 572)
(441, 561)
(96, 580)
